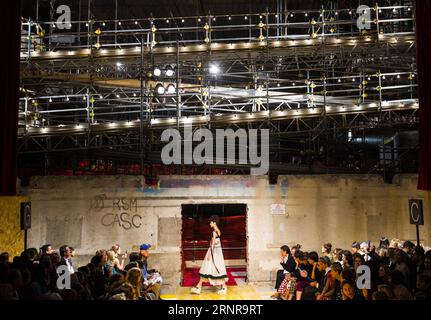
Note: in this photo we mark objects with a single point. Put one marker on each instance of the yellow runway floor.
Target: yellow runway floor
(247, 292)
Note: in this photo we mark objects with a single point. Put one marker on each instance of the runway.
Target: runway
(243, 292)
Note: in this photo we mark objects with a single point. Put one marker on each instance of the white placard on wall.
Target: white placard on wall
(278, 209)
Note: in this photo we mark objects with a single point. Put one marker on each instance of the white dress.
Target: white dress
(213, 267)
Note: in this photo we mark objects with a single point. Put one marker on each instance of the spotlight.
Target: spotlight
(229, 18)
(50, 99)
(199, 19)
(167, 21)
(157, 72)
(214, 69)
(160, 89)
(171, 89)
(169, 71)
(182, 20)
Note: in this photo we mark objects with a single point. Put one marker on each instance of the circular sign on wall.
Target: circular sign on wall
(416, 212)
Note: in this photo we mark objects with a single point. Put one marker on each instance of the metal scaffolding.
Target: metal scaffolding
(118, 82)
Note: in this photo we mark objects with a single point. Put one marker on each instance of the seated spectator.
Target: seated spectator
(397, 282)
(327, 251)
(350, 292)
(46, 249)
(287, 263)
(423, 287)
(383, 277)
(355, 247)
(66, 258)
(338, 255)
(134, 278)
(152, 280)
(113, 266)
(346, 259)
(332, 290)
(387, 289)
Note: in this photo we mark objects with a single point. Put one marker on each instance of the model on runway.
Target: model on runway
(213, 269)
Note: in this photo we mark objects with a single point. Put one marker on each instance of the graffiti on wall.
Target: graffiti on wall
(121, 212)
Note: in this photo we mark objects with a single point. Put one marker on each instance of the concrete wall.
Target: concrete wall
(91, 213)
(11, 236)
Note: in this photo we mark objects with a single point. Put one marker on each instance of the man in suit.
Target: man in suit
(66, 257)
(287, 263)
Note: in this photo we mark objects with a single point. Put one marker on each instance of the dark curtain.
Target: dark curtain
(423, 33)
(9, 95)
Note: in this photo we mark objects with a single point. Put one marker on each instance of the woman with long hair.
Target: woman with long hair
(213, 269)
(134, 278)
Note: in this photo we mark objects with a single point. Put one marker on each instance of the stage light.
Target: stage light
(245, 18)
(169, 71)
(157, 72)
(167, 21)
(199, 19)
(229, 18)
(119, 23)
(50, 99)
(67, 99)
(214, 69)
(171, 89)
(182, 20)
(160, 89)
(136, 22)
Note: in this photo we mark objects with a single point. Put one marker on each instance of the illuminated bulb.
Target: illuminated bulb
(199, 19)
(245, 18)
(171, 89)
(160, 89)
(117, 96)
(167, 21)
(182, 20)
(119, 23)
(136, 22)
(214, 69)
(157, 72)
(229, 18)
(169, 72)
(50, 100)
(67, 99)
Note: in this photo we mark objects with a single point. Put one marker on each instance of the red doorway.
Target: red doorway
(196, 235)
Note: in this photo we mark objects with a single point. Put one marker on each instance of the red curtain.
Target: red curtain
(9, 95)
(423, 33)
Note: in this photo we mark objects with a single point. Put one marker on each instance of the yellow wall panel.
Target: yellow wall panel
(11, 236)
